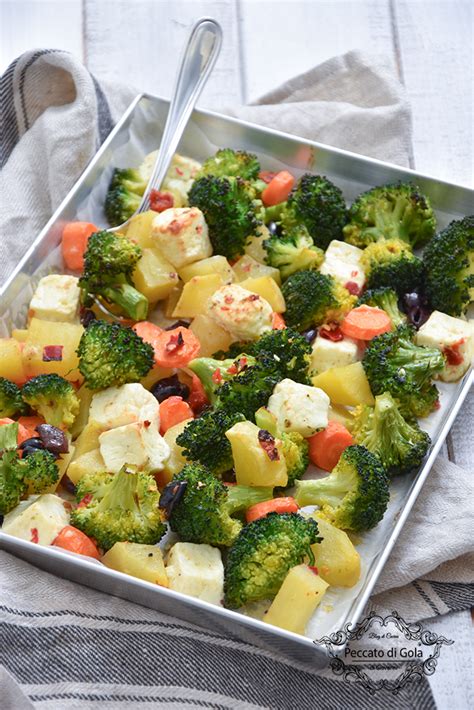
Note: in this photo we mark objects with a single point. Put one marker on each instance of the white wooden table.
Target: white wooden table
(427, 43)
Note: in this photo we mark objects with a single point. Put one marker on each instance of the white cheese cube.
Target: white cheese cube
(245, 315)
(38, 519)
(139, 444)
(327, 353)
(181, 235)
(56, 298)
(117, 406)
(454, 337)
(299, 408)
(196, 570)
(342, 261)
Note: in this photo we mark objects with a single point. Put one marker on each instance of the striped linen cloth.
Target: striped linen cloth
(65, 646)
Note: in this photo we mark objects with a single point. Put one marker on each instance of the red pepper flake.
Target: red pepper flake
(252, 297)
(228, 299)
(34, 535)
(267, 176)
(161, 201)
(267, 442)
(52, 352)
(232, 370)
(174, 343)
(85, 501)
(217, 376)
(452, 354)
(437, 404)
(146, 423)
(179, 171)
(352, 287)
(354, 273)
(313, 569)
(333, 333)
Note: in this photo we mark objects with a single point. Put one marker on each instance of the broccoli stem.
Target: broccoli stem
(421, 362)
(121, 492)
(243, 497)
(321, 491)
(131, 301)
(8, 436)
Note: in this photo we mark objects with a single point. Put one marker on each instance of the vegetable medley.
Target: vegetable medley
(244, 365)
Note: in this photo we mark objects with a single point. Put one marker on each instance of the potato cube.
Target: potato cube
(88, 439)
(139, 229)
(336, 558)
(196, 570)
(254, 246)
(213, 265)
(154, 276)
(42, 333)
(90, 462)
(170, 303)
(20, 334)
(248, 268)
(211, 336)
(267, 288)
(11, 363)
(297, 599)
(253, 464)
(142, 561)
(346, 385)
(85, 398)
(196, 294)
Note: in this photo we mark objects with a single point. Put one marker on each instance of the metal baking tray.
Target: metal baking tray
(138, 133)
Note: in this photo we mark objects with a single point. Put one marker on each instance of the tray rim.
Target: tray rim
(231, 615)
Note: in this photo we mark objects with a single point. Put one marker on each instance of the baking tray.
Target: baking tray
(138, 133)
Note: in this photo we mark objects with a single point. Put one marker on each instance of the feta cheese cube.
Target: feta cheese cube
(327, 353)
(56, 298)
(117, 406)
(181, 235)
(454, 337)
(342, 261)
(299, 408)
(38, 519)
(196, 570)
(139, 444)
(245, 315)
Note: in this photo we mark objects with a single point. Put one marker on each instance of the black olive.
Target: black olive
(33, 443)
(68, 484)
(169, 387)
(274, 228)
(179, 324)
(28, 451)
(86, 316)
(171, 495)
(310, 335)
(54, 439)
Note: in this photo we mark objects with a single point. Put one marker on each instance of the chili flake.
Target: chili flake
(161, 201)
(267, 442)
(52, 353)
(333, 333)
(352, 287)
(175, 342)
(34, 535)
(217, 376)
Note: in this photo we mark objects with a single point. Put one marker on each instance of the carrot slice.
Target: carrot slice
(29, 424)
(173, 411)
(74, 540)
(276, 505)
(278, 188)
(74, 243)
(365, 322)
(175, 348)
(278, 322)
(149, 332)
(326, 447)
(198, 398)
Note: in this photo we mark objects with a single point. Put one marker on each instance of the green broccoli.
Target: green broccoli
(109, 262)
(229, 210)
(262, 555)
(313, 298)
(212, 373)
(250, 389)
(400, 445)
(11, 401)
(449, 263)
(204, 440)
(231, 163)
(398, 211)
(319, 205)
(112, 355)
(386, 299)
(36, 472)
(202, 514)
(124, 195)
(354, 496)
(293, 251)
(119, 507)
(393, 363)
(391, 262)
(54, 398)
(295, 447)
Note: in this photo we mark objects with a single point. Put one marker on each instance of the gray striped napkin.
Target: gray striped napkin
(65, 646)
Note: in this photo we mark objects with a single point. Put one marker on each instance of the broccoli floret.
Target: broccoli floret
(212, 373)
(231, 163)
(313, 298)
(386, 299)
(112, 355)
(320, 206)
(11, 401)
(109, 262)
(355, 494)
(262, 554)
(54, 398)
(449, 263)
(119, 507)
(391, 262)
(293, 251)
(399, 445)
(393, 363)
(229, 211)
(249, 390)
(202, 514)
(397, 211)
(131, 179)
(204, 440)
(295, 447)
(124, 195)
(36, 471)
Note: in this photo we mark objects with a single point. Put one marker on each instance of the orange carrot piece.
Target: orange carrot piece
(278, 322)
(29, 424)
(276, 505)
(365, 322)
(74, 243)
(326, 447)
(173, 411)
(175, 348)
(278, 189)
(149, 332)
(198, 398)
(74, 540)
